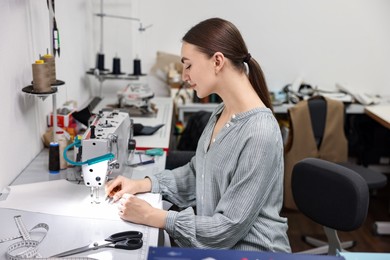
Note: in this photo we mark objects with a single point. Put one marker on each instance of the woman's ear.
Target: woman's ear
(219, 61)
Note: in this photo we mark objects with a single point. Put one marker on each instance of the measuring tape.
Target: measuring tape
(23, 230)
(144, 249)
(30, 246)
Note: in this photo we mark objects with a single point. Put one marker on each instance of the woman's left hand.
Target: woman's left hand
(133, 209)
(139, 211)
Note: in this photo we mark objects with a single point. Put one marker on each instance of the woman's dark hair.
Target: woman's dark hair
(218, 35)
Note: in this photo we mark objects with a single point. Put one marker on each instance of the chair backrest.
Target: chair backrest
(192, 132)
(329, 194)
(317, 109)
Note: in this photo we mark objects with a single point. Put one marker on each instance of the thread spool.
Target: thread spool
(116, 66)
(50, 60)
(54, 158)
(137, 67)
(62, 142)
(41, 78)
(100, 61)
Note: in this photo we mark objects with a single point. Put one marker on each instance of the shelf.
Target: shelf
(30, 90)
(103, 75)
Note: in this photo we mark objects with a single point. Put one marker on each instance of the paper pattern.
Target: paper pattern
(61, 197)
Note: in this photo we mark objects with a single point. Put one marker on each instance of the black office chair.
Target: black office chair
(177, 158)
(373, 179)
(188, 141)
(331, 195)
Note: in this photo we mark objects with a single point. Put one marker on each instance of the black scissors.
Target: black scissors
(129, 240)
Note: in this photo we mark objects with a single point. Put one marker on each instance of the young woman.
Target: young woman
(235, 180)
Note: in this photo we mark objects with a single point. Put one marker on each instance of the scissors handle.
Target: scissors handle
(123, 236)
(128, 240)
(129, 244)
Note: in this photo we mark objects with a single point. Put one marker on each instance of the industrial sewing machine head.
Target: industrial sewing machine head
(103, 149)
(136, 96)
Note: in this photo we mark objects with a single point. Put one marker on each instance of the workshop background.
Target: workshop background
(322, 41)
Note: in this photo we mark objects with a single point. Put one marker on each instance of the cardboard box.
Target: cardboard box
(62, 120)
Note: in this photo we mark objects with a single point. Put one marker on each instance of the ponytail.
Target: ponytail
(256, 78)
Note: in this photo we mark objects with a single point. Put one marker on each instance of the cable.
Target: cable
(105, 157)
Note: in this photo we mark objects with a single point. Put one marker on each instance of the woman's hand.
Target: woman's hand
(139, 211)
(121, 185)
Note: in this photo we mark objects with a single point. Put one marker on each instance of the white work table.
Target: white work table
(380, 113)
(68, 232)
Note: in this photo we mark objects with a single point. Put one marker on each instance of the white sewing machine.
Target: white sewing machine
(104, 148)
(137, 96)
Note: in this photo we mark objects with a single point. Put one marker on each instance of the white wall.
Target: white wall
(24, 30)
(324, 41)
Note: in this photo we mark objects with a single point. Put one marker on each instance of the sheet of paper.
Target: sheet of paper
(64, 198)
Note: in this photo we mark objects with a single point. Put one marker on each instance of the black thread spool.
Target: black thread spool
(116, 66)
(100, 61)
(137, 67)
(54, 158)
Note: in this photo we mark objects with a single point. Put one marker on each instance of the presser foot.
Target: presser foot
(95, 196)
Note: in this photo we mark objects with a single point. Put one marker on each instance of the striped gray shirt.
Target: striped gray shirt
(236, 185)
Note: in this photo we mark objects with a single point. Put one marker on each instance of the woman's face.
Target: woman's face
(198, 70)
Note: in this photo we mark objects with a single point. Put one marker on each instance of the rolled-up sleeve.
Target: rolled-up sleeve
(177, 186)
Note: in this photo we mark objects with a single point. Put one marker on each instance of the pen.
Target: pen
(142, 163)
